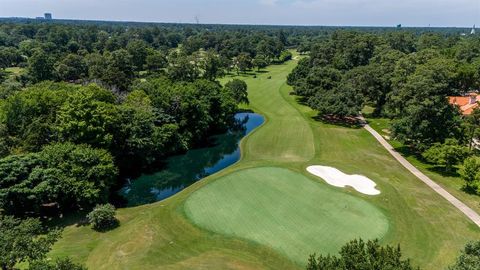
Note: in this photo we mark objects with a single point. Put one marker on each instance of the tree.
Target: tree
(59, 264)
(143, 133)
(285, 56)
(102, 217)
(89, 116)
(70, 176)
(472, 126)
(155, 60)
(212, 66)
(182, 68)
(341, 101)
(243, 62)
(358, 255)
(71, 68)
(138, 49)
(40, 66)
(447, 154)
(23, 241)
(260, 61)
(469, 258)
(238, 88)
(470, 172)
(29, 115)
(119, 69)
(422, 113)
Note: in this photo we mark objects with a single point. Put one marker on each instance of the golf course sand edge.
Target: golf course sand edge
(337, 178)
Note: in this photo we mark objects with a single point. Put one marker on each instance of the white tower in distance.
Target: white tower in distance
(473, 30)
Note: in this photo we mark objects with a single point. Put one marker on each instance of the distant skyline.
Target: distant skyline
(460, 13)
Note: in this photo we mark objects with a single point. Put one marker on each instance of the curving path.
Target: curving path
(472, 215)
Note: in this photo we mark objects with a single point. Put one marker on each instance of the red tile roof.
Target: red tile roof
(466, 103)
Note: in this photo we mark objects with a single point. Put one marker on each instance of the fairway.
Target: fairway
(284, 210)
(248, 216)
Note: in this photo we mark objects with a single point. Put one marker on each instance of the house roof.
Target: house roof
(466, 103)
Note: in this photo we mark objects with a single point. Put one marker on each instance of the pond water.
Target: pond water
(183, 170)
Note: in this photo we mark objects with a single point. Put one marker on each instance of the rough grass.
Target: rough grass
(284, 210)
(160, 236)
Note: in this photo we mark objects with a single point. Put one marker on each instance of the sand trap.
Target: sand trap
(337, 178)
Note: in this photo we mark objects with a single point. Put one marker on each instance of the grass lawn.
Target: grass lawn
(284, 210)
(161, 235)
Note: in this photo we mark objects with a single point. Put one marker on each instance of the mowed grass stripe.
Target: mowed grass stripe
(285, 128)
(284, 210)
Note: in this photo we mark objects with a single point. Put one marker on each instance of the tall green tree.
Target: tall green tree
(40, 66)
(23, 241)
(119, 69)
(212, 66)
(89, 116)
(470, 172)
(138, 49)
(70, 176)
(238, 88)
(71, 68)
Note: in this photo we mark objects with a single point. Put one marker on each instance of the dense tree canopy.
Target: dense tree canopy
(23, 241)
(360, 255)
(67, 175)
(403, 76)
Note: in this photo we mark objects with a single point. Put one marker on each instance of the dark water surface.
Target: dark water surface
(183, 170)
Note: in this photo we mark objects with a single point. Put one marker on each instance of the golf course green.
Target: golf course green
(284, 210)
(267, 212)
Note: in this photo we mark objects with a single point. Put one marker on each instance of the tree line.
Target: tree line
(404, 77)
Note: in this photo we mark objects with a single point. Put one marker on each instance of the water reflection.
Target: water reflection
(183, 170)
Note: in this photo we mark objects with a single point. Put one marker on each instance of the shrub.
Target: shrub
(103, 217)
(447, 154)
(470, 172)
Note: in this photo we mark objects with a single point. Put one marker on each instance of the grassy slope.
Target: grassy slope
(160, 236)
(452, 183)
(284, 210)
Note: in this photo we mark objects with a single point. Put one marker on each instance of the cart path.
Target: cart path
(472, 215)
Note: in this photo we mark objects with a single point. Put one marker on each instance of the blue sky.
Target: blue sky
(463, 13)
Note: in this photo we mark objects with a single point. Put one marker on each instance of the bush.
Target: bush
(103, 217)
(447, 154)
(470, 172)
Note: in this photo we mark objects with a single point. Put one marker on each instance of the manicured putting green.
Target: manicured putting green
(284, 210)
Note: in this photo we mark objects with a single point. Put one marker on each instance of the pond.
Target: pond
(183, 170)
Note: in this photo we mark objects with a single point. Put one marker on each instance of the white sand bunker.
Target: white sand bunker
(337, 178)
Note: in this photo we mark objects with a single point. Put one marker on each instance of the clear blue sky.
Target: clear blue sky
(463, 13)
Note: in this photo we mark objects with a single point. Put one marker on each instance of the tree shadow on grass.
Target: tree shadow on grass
(470, 189)
(115, 224)
(348, 122)
(75, 218)
(408, 151)
(441, 170)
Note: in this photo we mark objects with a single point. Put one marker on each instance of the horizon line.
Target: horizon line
(235, 24)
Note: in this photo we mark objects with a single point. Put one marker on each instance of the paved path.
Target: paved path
(472, 215)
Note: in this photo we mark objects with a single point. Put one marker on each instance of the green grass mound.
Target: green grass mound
(284, 210)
